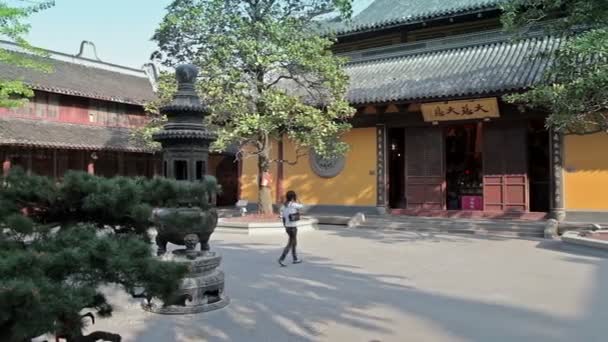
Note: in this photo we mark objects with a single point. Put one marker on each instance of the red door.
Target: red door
(424, 168)
(228, 177)
(505, 168)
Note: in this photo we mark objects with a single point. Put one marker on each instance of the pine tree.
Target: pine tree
(60, 242)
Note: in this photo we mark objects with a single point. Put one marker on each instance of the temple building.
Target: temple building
(432, 134)
(82, 118)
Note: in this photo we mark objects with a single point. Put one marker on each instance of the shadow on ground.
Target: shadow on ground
(298, 303)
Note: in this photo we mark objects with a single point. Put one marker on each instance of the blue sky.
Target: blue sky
(120, 29)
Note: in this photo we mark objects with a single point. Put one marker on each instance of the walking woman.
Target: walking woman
(290, 213)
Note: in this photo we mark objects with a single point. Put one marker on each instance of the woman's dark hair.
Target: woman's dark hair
(290, 197)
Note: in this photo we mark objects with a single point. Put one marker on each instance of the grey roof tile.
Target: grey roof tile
(85, 81)
(44, 134)
(382, 13)
(490, 67)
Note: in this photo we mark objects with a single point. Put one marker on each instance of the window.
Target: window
(41, 105)
(200, 169)
(53, 107)
(181, 169)
(94, 110)
(107, 113)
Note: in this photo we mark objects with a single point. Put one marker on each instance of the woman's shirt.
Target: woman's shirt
(291, 208)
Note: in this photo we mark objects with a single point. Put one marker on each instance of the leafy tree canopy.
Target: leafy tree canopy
(575, 91)
(14, 93)
(265, 70)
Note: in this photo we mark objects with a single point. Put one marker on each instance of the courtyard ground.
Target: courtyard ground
(362, 285)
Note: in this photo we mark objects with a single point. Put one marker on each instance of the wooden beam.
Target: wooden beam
(392, 108)
(370, 110)
(414, 107)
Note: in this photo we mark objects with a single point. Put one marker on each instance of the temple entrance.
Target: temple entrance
(464, 173)
(472, 169)
(539, 166)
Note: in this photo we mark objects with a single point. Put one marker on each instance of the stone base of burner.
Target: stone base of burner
(201, 290)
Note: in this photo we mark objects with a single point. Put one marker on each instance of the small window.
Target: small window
(41, 105)
(200, 169)
(53, 108)
(181, 169)
(93, 110)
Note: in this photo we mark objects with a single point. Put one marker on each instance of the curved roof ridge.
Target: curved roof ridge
(465, 71)
(383, 13)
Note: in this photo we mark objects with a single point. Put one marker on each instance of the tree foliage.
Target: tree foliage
(575, 91)
(60, 242)
(265, 71)
(14, 93)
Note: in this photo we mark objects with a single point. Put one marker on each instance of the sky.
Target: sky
(120, 29)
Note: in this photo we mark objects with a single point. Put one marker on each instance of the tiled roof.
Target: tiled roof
(44, 134)
(382, 13)
(482, 68)
(85, 81)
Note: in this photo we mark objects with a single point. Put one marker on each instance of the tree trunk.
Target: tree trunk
(264, 190)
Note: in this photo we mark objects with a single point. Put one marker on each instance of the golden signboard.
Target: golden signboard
(460, 110)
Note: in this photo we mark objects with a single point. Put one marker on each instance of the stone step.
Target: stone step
(454, 227)
(499, 228)
(459, 225)
(464, 231)
(454, 220)
(568, 226)
(332, 220)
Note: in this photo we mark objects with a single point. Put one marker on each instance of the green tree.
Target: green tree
(60, 242)
(266, 72)
(14, 93)
(575, 90)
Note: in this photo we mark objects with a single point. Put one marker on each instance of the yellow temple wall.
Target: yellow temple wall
(586, 172)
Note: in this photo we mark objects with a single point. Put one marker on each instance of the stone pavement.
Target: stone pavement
(362, 285)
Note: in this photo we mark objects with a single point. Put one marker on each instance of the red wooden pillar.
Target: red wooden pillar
(91, 164)
(121, 164)
(29, 162)
(55, 166)
(280, 189)
(6, 165)
(156, 166)
(239, 181)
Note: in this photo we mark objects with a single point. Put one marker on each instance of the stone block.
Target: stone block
(356, 220)
(551, 229)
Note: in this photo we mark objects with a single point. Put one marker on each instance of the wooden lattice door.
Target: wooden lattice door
(505, 180)
(424, 169)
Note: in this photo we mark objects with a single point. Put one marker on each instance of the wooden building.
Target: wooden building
(82, 117)
(432, 134)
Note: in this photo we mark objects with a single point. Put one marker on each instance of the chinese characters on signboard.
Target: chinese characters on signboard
(460, 110)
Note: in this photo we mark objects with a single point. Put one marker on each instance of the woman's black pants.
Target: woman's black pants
(292, 232)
